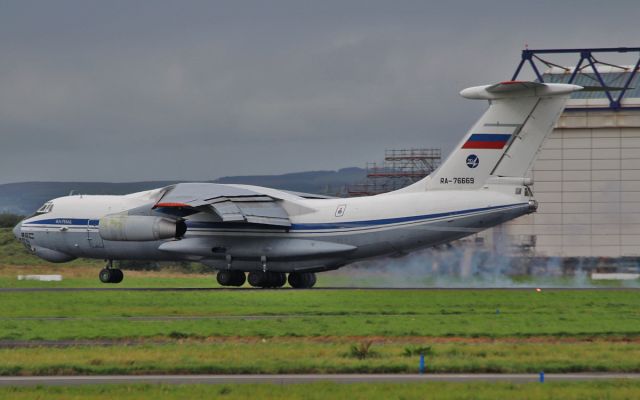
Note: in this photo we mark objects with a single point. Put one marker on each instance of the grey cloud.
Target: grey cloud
(195, 90)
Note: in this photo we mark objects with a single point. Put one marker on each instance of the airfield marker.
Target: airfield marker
(422, 363)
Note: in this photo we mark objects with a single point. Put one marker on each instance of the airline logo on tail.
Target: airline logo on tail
(473, 161)
(487, 141)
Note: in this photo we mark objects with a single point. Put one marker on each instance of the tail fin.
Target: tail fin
(506, 139)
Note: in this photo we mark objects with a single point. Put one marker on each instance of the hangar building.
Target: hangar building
(587, 175)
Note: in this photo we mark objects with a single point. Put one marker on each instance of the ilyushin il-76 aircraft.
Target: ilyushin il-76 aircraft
(268, 237)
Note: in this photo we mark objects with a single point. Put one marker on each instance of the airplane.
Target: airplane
(268, 237)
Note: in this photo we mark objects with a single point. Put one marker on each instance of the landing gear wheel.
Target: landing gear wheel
(108, 275)
(267, 279)
(311, 280)
(257, 279)
(231, 278)
(118, 276)
(276, 279)
(224, 278)
(302, 280)
(239, 278)
(281, 279)
(105, 275)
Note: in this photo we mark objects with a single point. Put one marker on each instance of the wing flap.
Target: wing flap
(227, 211)
(230, 204)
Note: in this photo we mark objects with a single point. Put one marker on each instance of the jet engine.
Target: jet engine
(120, 227)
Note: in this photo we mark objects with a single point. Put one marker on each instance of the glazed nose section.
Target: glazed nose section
(17, 229)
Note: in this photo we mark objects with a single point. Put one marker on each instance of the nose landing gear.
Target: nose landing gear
(110, 274)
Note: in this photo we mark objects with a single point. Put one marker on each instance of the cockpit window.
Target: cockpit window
(46, 207)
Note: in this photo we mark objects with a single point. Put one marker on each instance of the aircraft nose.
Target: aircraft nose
(17, 229)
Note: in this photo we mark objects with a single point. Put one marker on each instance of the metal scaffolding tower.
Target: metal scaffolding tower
(401, 167)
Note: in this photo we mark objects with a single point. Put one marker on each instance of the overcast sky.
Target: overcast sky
(194, 90)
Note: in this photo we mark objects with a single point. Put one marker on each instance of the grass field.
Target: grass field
(271, 313)
(308, 331)
(276, 331)
(612, 390)
(323, 355)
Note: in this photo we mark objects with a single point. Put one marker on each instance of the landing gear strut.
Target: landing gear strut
(110, 274)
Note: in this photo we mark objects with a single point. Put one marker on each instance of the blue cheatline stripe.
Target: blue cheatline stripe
(489, 137)
(310, 226)
(64, 221)
(387, 221)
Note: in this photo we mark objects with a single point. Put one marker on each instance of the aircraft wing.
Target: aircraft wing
(229, 203)
(309, 195)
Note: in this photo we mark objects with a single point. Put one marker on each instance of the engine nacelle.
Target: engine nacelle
(139, 228)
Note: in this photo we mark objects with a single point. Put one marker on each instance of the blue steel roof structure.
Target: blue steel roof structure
(611, 79)
(617, 82)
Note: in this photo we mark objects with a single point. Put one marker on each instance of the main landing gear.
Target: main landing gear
(267, 279)
(110, 274)
(231, 278)
(302, 280)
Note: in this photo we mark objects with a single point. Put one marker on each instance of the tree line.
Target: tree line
(8, 220)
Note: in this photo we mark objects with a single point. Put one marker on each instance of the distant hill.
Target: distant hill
(25, 197)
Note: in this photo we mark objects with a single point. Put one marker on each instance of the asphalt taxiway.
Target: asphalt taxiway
(298, 379)
(201, 289)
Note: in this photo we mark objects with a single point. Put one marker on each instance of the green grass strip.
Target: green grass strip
(468, 313)
(305, 356)
(441, 390)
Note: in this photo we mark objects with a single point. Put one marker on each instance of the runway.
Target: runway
(298, 379)
(204, 289)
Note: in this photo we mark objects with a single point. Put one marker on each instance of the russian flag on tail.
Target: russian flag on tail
(486, 141)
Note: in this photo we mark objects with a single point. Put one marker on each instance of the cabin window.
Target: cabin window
(518, 190)
(46, 207)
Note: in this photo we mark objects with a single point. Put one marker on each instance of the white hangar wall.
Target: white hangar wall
(587, 182)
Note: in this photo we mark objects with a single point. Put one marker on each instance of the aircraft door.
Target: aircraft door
(93, 236)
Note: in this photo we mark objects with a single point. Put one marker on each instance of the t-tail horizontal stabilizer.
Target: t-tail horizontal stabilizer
(505, 140)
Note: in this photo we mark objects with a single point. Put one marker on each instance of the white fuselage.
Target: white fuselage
(324, 233)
